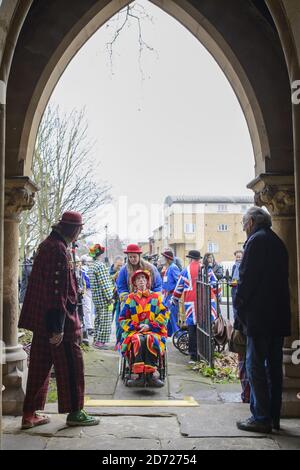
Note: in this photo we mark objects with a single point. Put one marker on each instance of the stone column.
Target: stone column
(277, 193)
(19, 196)
(2, 170)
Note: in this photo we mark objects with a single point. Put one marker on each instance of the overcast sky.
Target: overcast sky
(180, 130)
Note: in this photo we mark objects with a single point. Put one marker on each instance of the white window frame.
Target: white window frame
(212, 247)
(189, 228)
(223, 228)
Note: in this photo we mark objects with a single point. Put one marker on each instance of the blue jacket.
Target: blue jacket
(170, 279)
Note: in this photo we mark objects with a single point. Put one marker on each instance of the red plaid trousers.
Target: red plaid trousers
(69, 372)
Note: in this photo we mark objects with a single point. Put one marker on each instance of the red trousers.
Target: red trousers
(69, 372)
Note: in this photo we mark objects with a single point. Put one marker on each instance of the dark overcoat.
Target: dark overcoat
(263, 297)
(51, 297)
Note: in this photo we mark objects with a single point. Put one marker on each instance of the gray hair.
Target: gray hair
(260, 217)
(119, 257)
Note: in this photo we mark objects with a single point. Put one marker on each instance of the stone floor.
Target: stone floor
(208, 425)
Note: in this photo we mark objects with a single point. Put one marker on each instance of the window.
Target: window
(212, 247)
(222, 208)
(189, 228)
(223, 228)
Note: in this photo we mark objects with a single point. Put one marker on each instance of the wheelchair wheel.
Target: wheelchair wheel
(175, 337)
(121, 365)
(163, 366)
(124, 369)
(183, 343)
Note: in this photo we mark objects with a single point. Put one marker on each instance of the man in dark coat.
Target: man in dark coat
(49, 310)
(263, 309)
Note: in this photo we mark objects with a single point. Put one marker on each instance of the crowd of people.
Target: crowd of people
(143, 301)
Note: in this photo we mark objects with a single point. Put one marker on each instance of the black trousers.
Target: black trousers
(192, 332)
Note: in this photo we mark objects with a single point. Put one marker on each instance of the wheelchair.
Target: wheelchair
(181, 341)
(126, 362)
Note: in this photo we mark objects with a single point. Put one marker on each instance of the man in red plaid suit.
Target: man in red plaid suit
(49, 310)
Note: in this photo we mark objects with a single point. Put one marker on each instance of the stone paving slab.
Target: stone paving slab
(219, 444)
(104, 443)
(180, 387)
(100, 385)
(287, 442)
(101, 363)
(23, 442)
(132, 411)
(214, 421)
(138, 427)
(230, 397)
(11, 423)
(291, 426)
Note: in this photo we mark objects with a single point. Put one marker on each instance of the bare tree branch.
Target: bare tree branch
(62, 168)
(138, 13)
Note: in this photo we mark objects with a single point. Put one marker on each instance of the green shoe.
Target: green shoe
(81, 418)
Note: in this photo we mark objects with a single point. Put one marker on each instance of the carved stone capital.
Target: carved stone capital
(275, 192)
(19, 196)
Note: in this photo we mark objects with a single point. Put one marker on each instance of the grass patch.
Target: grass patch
(52, 391)
(84, 347)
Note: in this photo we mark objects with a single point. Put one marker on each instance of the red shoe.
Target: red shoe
(30, 420)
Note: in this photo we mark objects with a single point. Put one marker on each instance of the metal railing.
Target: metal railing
(206, 344)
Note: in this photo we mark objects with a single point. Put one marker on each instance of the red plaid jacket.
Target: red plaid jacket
(51, 296)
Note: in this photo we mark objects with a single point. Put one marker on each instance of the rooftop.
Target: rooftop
(169, 200)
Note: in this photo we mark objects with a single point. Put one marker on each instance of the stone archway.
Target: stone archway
(255, 65)
(242, 60)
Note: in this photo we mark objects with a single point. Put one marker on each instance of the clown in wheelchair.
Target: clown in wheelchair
(143, 320)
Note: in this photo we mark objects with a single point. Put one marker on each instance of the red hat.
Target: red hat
(132, 248)
(168, 254)
(71, 218)
(138, 272)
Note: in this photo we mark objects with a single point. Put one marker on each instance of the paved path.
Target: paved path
(209, 425)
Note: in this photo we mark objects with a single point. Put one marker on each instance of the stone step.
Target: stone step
(291, 370)
(291, 383)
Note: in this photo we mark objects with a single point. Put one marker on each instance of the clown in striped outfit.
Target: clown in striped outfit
(102, 293)
(143, 320)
